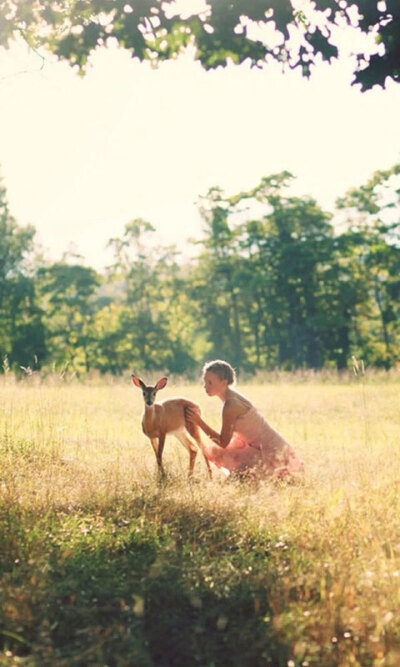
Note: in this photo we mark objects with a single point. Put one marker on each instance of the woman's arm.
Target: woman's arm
(213, 435)
(193, 415)
(229, 414)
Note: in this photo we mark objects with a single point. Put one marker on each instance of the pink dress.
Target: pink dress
(256, 446)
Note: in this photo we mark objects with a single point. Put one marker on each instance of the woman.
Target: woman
(246, 442)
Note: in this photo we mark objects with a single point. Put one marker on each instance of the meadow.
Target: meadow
(102, 565)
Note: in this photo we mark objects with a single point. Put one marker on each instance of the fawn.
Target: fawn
(159, 419)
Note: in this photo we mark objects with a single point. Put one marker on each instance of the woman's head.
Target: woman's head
(221, 369)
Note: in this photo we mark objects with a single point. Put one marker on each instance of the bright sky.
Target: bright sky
(82, 157)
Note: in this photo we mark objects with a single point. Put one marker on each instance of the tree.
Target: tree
(288, 252)
(21, 328)
(255, 31)
(68, 299)
(215, 280)
(373, 220)
(261, 281)
(151, 325)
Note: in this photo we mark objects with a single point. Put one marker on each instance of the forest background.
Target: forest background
(274, 282)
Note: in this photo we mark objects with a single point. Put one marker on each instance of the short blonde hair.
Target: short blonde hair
(222, 369)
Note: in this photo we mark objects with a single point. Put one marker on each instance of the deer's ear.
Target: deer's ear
(161, 383)
(137, 381)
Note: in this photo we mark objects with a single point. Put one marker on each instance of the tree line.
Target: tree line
(275, 282)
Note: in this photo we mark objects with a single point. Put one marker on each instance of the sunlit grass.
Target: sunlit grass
(101, 565)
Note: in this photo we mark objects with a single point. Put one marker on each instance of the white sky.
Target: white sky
(82, 157)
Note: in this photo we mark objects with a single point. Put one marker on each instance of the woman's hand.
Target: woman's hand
(192, 415)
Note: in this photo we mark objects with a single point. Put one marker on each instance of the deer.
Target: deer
(168, 417)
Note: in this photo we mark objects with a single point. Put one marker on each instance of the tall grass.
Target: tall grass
(101, 565)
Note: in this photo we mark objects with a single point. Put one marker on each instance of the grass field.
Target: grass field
(101, 565)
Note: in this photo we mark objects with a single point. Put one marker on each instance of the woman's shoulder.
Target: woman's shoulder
(237, 404)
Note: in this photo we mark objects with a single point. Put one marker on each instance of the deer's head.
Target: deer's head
(149, 391)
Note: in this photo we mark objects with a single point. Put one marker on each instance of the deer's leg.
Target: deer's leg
(186, 442)
(154, 443)
(159, 452)
(195, 432)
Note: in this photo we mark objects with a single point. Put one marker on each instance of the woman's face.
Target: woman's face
(213, 384)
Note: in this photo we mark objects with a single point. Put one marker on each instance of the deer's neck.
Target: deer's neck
(149, 418)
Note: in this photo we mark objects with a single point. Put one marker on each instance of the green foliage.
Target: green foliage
(276, 284)
(223, 32)
(290, 290)
(22, 336)
(68, 301)
(117, 584)
(151, 318)
(373, 214)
